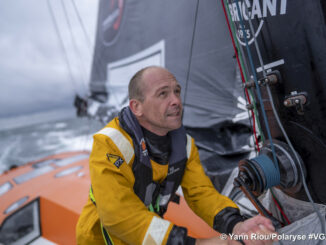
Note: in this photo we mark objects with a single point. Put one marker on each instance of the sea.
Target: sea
(31, 137)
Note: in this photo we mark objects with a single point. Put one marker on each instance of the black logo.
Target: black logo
(116, 160)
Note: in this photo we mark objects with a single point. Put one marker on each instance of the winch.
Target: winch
(258, 174)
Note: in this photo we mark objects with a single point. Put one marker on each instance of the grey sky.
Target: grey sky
(33, 72)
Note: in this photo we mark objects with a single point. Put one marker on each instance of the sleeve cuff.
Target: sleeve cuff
(225, 220)
(178, 236)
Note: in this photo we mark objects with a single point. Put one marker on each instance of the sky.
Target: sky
(34, 75)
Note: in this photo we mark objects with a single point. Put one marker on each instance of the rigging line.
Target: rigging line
(256, 113)
(279, 206)
(245, 68)
(239, 47)
(62, 46)
(88, 39)
(284, 132)
(255, 41)
(257, 87)
(242, 77)
(74, 43)
(283, 215)
(190, 55)
(97, 60)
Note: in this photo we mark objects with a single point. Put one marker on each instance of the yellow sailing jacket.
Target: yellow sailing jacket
(119, 209)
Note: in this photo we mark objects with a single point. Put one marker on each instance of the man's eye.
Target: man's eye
(177, 91)
(163, 93)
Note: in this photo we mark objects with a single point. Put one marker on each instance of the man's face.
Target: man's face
(162, 107)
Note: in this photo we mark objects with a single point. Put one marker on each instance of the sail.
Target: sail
(191, 41)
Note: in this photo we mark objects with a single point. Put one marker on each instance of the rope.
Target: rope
(271, 174)
(88, 39)
(190, 55)
(245, 68)
(257, 87)
(74, 44)
(279, 207)
(242, 77)
(62, 46)
(98, 63)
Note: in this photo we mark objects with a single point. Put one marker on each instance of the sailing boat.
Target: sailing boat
(192, 40)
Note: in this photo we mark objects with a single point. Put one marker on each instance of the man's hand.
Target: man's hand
(257, 225)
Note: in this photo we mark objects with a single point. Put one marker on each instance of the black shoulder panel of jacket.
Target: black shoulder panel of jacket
(225, 220)
(178, 236)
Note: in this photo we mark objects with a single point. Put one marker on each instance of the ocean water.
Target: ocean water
(32, 137)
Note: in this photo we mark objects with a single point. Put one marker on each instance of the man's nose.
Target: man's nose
(175, 100)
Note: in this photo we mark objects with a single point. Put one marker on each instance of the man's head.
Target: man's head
(154, 96)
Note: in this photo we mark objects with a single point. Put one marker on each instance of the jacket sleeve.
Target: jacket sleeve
(121, 212)
(203, 198)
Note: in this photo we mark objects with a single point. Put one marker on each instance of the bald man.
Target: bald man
(137, 163)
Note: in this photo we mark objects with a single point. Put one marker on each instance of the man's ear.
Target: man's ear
(136, 107)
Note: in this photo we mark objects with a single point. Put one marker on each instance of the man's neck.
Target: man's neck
(152, 135)
(158, 146)
(151, 128)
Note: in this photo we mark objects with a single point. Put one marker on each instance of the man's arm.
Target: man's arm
(201, 195)
(217, 210)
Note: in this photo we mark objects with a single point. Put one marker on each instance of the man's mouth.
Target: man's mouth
(174, 114)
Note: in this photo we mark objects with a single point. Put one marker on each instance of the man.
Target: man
(138, 161)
